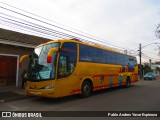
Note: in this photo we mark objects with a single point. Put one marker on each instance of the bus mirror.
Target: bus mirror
(49, 56)
(21, 60)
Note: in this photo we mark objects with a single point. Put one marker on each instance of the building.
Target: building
(12, 46)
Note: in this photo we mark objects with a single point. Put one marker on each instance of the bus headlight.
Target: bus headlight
(49, 87)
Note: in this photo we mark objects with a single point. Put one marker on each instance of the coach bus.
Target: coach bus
(68, 67)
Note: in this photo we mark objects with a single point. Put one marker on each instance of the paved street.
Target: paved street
(143, 96)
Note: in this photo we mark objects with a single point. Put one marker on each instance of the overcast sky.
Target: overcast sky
(124, 23)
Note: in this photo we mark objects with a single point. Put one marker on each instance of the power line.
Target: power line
(57, 26)
(148, 57)
(19, 27)
(33, 28)
(40, 20)
(31, 24)
(97, 38)
(27, 26)
(52, 17)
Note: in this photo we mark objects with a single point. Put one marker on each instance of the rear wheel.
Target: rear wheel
(86, 89)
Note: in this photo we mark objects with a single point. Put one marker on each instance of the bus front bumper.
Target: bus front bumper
(41, 92)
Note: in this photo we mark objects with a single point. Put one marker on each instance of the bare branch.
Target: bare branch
(157, 31)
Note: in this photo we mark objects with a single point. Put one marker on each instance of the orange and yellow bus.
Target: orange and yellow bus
(68, 67)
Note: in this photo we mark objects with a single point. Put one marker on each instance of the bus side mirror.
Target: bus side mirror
(49, 56)
(21, 60)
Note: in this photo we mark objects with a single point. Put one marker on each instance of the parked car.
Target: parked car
(149, 76)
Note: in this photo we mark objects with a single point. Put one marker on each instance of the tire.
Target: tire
(86, 89)
(128, 82)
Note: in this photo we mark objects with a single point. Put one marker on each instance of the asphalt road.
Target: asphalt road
(142, 96)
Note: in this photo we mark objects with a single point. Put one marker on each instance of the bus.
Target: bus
(67, 67)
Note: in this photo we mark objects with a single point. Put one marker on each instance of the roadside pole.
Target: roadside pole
(140, 56)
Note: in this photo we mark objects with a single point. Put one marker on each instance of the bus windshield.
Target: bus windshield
(38, 68)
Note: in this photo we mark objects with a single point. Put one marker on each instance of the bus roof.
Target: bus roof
(84, 43)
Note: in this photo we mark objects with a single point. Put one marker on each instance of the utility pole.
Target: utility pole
(150, 61)
(140, 56)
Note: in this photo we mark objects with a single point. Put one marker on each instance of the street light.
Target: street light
(140, 56)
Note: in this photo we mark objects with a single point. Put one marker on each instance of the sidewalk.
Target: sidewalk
(11, 93)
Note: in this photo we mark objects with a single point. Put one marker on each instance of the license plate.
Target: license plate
(36, 93)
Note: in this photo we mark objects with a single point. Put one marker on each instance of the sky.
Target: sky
(124, 23)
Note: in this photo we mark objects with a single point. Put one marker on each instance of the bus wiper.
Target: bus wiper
(37, 68)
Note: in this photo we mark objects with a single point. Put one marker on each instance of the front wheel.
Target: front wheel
(86, 89)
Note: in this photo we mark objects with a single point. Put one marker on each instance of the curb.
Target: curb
(14, 97)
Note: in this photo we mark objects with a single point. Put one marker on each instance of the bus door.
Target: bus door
(66, 66)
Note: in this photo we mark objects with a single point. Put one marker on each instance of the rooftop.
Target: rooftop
(13, 38)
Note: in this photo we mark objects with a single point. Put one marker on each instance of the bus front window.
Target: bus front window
(38, 67)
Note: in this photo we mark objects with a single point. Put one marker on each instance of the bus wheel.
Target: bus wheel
(128, 82)
(86, 89)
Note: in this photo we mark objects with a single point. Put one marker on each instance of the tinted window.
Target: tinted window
(126, 60)
(86, 53)
(119, 59)
(91, 54)
(71, 50)
(131, 61)
(110, 57)
(67, 59)
(100, 55)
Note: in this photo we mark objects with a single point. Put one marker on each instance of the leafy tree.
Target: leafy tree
(147, 68)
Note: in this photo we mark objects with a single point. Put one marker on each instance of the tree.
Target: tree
(147, 68)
